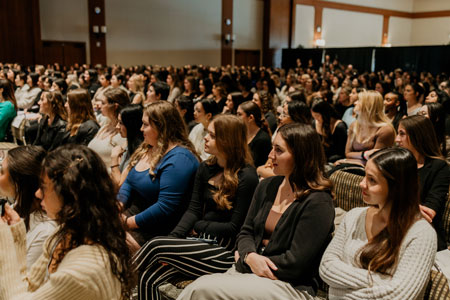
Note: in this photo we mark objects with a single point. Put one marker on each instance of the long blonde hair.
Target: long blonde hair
(166, 119)
(371, 113)
(231, 141)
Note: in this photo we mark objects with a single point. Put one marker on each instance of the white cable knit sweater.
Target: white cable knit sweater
(347, 280)
(84, 273)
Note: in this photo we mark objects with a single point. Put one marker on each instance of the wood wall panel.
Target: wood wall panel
(20, 31)
(97, 41)
(226, 47)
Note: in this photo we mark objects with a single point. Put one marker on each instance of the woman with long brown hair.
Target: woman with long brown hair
(203, 239)
(287, 228)
(160, 175)
(52, 126)
(384, 251)
(416, 134)
(82, 125)
(8, 106)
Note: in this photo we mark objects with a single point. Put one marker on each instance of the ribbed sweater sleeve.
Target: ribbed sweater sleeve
(84, 273)
(347, 281)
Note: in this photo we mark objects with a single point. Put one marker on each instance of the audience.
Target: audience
(286, 231)
(385, 251)
(87, 257)
(202, 241)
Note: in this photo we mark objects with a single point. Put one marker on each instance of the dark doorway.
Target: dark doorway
(64, 53)
(247, 57)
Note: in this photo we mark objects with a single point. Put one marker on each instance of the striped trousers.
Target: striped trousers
(164, 258)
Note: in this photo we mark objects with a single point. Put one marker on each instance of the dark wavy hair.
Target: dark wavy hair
(329, 117)
(305, 146)
(299, 112)
(399, 167)
(437, 115)
(90, 213)
(24, 167)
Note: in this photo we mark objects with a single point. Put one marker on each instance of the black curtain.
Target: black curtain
(289, 57)
(360, 58)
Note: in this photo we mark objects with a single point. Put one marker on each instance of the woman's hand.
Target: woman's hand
(11, 216)
(117, 152)
(261, 265)
(427, 213)
(236, 256)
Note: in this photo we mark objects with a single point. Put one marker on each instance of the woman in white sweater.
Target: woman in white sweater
(87, 257)
(385, 251)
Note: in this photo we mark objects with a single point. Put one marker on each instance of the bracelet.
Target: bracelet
(362, 155)
(114, 166)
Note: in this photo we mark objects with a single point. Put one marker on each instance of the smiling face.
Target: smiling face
(282, 159)
(50, 201)
(432, 97)
(374, 186)
(44, 104)
(149, 131)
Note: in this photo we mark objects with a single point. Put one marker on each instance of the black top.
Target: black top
(434, 178)
(336, 144)
(50, 136)
(203, 215)
(84, 135)
(340, 109)
(92, 89)
(260, 147)
(299, 239)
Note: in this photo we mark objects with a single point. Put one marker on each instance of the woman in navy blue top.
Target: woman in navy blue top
(161, 172)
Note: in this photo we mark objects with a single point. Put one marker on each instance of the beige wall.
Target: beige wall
(65, 20)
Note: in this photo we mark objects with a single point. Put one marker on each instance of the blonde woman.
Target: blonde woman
(136, 87)
(371, 131)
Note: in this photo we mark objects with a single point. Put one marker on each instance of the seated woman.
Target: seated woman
(86, 258)
(118, 81)
(160, 175)
(394, 108)
(185, 106)
(108, 137)
(223, 188)
(19, 180)
(371, 131)
(82, 125)
(287, 228)
(233, 101)
(412, 96)
(436, 113)
(129, 126)
(190, 87)
(8, 107)
(52, 126)
(293, 112)
(174, 83)
(265, 102)
(257, 137)
(416, 134)
(105, 85)
(136, 87)
(204, 111)
(332, 130)
(384, 251)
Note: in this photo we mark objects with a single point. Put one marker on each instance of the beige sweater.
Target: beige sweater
(347, 280)
(84, 273)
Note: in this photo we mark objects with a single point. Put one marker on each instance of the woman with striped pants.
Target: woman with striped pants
(203, 240)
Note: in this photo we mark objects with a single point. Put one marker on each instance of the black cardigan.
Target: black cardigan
(299, 239)
(203, 215)
(434, 178)
(84, 135)
(50, 136)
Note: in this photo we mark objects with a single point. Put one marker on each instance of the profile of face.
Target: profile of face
(423, 111)
(409, 93)
(47, 84)
(402, 139)
(281, 156)
(432, 97)
(131, 84)
(103, 81)
(151, 94)
(343, 97)
(390, 101)
(55, 88)
(229, 103)
(169, 80)
(210, 141)
(257, 100)
(201, 86)
(44, 105)
(243, 115)
(18, 81)
(353, 96)
(379, 88)
(106, 108)
(200, 116)
(10, 75)
(181, 111)
(7, 188)
(121, 127)
(187, 85)
(149, 132)
(51, 202)
(114, 82)
(374, 186)
(87, 77)
(284, 116)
